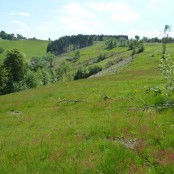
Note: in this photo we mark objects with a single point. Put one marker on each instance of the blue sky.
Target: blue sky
(55, 18)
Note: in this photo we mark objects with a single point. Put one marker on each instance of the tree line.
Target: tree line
(11, 36)
(16, 74)
(69, 43)
(7, 36)
(157, 40)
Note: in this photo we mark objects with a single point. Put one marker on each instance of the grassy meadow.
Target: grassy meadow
(28, 48)
(90, 126)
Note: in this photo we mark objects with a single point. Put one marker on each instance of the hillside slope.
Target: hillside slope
(89, 126)
(28, 48)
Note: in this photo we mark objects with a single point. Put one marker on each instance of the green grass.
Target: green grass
(28, 48)
(90, 54)
(50, 137)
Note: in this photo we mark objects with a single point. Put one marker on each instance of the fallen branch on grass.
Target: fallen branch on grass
(70, 101)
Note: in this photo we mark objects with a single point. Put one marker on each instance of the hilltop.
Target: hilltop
(96, 125)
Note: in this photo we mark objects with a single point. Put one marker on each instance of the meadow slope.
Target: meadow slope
(106, 130)
(28, 48)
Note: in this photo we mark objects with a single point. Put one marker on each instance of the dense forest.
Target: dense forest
(69, 43)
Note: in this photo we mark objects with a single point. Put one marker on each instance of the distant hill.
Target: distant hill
(28, 48)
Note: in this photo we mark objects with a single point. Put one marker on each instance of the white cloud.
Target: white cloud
(108, 6)
(20, 23)
(125, 16)
(75, 9)
(25, 14)
(79, 24)
(117, 11)
(152, 4)
(76, 18)
(42, 28)
(12, 13)
(21, 26)
(141, 33)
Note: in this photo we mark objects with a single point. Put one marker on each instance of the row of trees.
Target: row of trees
(7, 36)
(157, 40)
(104, 37)
(136, 44)
(85, 72)
(68, 43)
(112, 42)
(16, 74)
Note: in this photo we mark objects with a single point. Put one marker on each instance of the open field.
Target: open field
(90, 126)
(28, 48)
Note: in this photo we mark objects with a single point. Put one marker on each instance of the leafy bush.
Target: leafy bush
(64, 71)
(32, 79)
(1, 50)
(140, 48)
(111, 43)
(76, 55)
(165, 90)
(86, 72)
(101, 57)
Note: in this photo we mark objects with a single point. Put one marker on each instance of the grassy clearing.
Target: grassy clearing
(39, 135)
(28, 48)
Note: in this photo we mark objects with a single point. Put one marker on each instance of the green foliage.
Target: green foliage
(37, 63)
(7, 36)
(14, 63)
(101, 57)
(44, 76)
(136, 45)
(3, 79)
(14, 66)
(167, 29)
(1, 50)
(166, 90)
(28, 48)
(137, 37)
(32, 79)
(64, 43)
(40, 135)
(64, 71)
(131, 45)
(17, 75)
(85, 72)
(110, 43)
(140, 48)
(167, 70)
(19, 86)
(76, 55)
(122, 42)
(49, 57)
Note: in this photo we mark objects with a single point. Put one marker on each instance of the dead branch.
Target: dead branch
(70, 101)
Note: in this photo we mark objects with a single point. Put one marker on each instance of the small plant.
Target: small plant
(1, 50)
(101, 57)
(166, 90)
(76, 55)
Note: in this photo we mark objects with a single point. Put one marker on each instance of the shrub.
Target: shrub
(86, 72)
(165, 90)
(101, 57)
(32, 79)
(1, 50)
